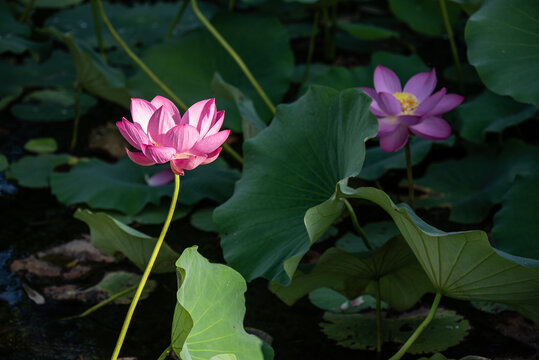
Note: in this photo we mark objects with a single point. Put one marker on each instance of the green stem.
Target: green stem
(77, 118)
(311, 48)
(26, 11)
(378, 317)
(410, 176)
(419, 329)
(97, 27)
(148, 269)
(177, 19)
(358, 228)
(449, 30)
(165, 353)
(136, 59)
(231, 4)
(234, 55)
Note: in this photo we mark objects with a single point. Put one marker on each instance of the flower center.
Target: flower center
(408, 102)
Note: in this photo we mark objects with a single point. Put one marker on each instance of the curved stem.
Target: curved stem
(148, 269)
(177, 19)
(355, 223)
(165, 353)
(136, 59)
(26, 12)
(449, 31)
(98, 31)
(77, 118)
(410, 176)
(104, 302)
(378, 317)
(419, 329)
(234, 55)
(311, 48)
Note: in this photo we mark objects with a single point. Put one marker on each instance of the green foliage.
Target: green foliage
(35, 171)
(41, 145)
(378, 234)
(366, 31)
(356, 331)
(289, 167)
(208, 320)
(113, 237)
(115, 282)
(202, 220)
(502, 45)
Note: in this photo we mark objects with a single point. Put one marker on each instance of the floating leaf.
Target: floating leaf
(502, 45)
(35, 171)
(41, 145)
(424, 16)
(490, 307)
(331, 300)
(366, 31)
(490, 113)
(513, 231)
(262, 228)
(51, 105)
(202, 220)
(357, 331)
(112, 237)
(470, 186)
(208, 320)
(261, 42)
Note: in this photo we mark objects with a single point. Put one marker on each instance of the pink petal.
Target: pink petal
(395, 140)
(408, 119)
(139, 158)
(389, 104)
(169, 106)
(161, 178)
(421, 85)
(386, 80)
(181, 137)
(178, 165)
(207, 121)
(448, 103)
(219, 118)
(210, 143)
(133, 133)
(158, 154)
(430, 102)
(141, 111)
(371, 93)
(432, 128)
(211, 156)
(375, 110)
(160, 123)
(386, 125)
(198, 112)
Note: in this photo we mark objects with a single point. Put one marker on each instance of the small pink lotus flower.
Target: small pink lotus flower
(162, 135)
(412, 110)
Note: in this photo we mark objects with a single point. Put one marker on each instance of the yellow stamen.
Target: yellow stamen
(408, 102)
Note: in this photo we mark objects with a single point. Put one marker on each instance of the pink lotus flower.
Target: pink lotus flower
(162, 135)
(409, 110)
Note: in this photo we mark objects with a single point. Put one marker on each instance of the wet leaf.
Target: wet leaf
(35, 171)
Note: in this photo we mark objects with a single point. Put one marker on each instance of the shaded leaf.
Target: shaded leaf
(35, 171)
(4, 163)
(41, 145)
(202, 220)
(115, 282)
(366, 31)
(378, 234)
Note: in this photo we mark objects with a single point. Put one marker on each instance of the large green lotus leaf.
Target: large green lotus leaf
(52, 105)
(289, 167)
(366, 31)
(490, 113)
(424, 16)
(152, 214)
(402, 281)
(41, 145)
(35, 171)
(122, 186)
(514, 229)
(502, 45)
(187, 65)
(139, 24)
(461, 265)
(471, 185)
(208, 320)
(112, 237)
(356, 331)
(378, 234)
(93, 73)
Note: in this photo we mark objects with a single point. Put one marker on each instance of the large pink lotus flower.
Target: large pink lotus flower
(163, 135)
(409, 110)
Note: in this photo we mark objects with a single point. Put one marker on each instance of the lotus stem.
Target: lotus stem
(454, 51)
(234, 55)
(177, 19)
(97, 27)
(137, 60)
(419, 329)
(378, 317)
(148, 269)
(26, 11)
(165, 353)
(77, 118)
(311, 48)
(104, 302)
(410, 175)
(358, 228)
